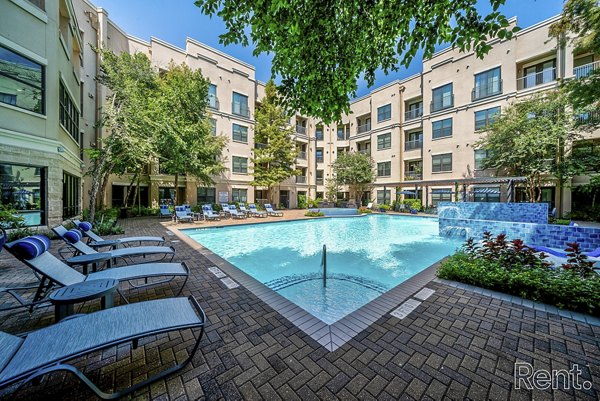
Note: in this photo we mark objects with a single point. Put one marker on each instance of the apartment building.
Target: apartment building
(40, 133)
(421, 131)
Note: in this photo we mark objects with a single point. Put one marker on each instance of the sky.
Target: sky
(174, 20)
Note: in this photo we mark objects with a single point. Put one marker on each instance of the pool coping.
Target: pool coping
(330, 336)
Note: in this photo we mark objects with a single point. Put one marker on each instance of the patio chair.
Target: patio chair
(86, 229)
(244, 210)
(225, 210)
(182, 215)
(164, 211)
(257, 213)
(33, 252)
(73, 239)
(50, 349)
(272, 212)
(370, 205)
(209, 214)
(235, 213)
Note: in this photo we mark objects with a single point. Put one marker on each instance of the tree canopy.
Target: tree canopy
(275, 152)
(322, 47)
(356, 170)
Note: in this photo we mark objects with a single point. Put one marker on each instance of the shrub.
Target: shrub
(302, 203)
(313, 203)
(105, 222)
(384, 208)
(363, 209)
(314, 214)
(413, 204)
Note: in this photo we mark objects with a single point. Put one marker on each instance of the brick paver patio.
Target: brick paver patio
(456, 345)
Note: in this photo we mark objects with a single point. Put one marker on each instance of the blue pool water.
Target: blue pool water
(366, 256)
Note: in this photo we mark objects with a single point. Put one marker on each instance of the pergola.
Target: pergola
(462, 183)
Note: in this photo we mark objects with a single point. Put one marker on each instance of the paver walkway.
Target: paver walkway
(455, 345)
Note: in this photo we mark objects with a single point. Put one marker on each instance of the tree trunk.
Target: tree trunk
(130, 190)
(96, 180)
(104, 184)
(175, 198)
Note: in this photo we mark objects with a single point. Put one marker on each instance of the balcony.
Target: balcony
(240, 109)
(319, 136)
(319, 181)
(300, 179)
(590, 117)
(363, 128)
(300, 130)
(414, 113)
(486, 90)
(319, 159)
(260, 145)
(365, 151)
(213, 102)
(414, 144)
(302, 155)
(539, 78)
(585, 70)
(413, 175)
(441, 105)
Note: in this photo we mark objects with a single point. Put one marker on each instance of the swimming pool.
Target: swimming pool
(366, 256)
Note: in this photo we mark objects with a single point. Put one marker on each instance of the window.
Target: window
(23, 189)
(480, 156)
(71, 191)
(384, 197)
(69, 116)
(414, 110)
(240, 165)
(206, 195)
(414, 140)
(485, 117)
(440, 195)
(166, 195)
(239, 105)
(441, 163)
(384, 169)
(319, 179)
(442, 98)
(239, 195)
(213, 101)
(319, 155)
(384, 113)
(487, 83)
(486, 194)
(442, 128)
(384, 141)
(41, 4)
(538, 74)
(340, 133)
(213, 126)
(21, 81)
(240, 133)
(319, 133)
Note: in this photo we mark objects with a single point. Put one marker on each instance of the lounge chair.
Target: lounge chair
(593, 255)
(50, 349)
(209, 214)
(272, 212)
(33, 252)
(255, 212)
(244, 210)
(164, 211)
(235, 213)
(225, 210)
(86, 229)
(182, 215)
(73, 239)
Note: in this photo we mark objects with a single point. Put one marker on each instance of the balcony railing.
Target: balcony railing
(441, 105)
(240, 109)
(539, 78)
(413, 175)
(319, 159)
(300, 179)
(414, 113)
(260, 145)
(319, 181)
(589, 117)
(585, 70)
(213, 102)
(319, 136)
(486, 90)
(300, 130)
(414, 144)
(302, 155)
(343, 137)
(363, 128)
(365, 151)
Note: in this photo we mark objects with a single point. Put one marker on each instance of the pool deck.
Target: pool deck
(459, 342)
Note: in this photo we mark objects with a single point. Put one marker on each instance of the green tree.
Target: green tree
(128, 147)
(322, 47)
(332, 187)
(274, 151)
(182, 132)
(532, 138)
(355, 170)
(580, 24)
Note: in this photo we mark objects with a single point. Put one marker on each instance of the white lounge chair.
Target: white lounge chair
(271, 211)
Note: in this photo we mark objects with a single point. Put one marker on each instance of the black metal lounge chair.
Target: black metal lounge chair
(123, 253)
(86, 230)
(47, 350)
(52, 272)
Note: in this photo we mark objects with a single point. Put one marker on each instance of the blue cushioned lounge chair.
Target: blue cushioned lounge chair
(86, 230)
(271, 211)
(50, 349)
(209, 214)
(235, 213)
(257, 213)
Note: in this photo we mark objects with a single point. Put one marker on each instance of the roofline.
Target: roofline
(167, 44)
(219, 52)
(379, 88)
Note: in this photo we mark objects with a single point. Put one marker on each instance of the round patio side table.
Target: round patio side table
(64, 298)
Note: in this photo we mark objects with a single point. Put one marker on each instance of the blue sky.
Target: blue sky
(175, 20)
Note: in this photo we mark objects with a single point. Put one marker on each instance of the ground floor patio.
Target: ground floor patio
(458, 344)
